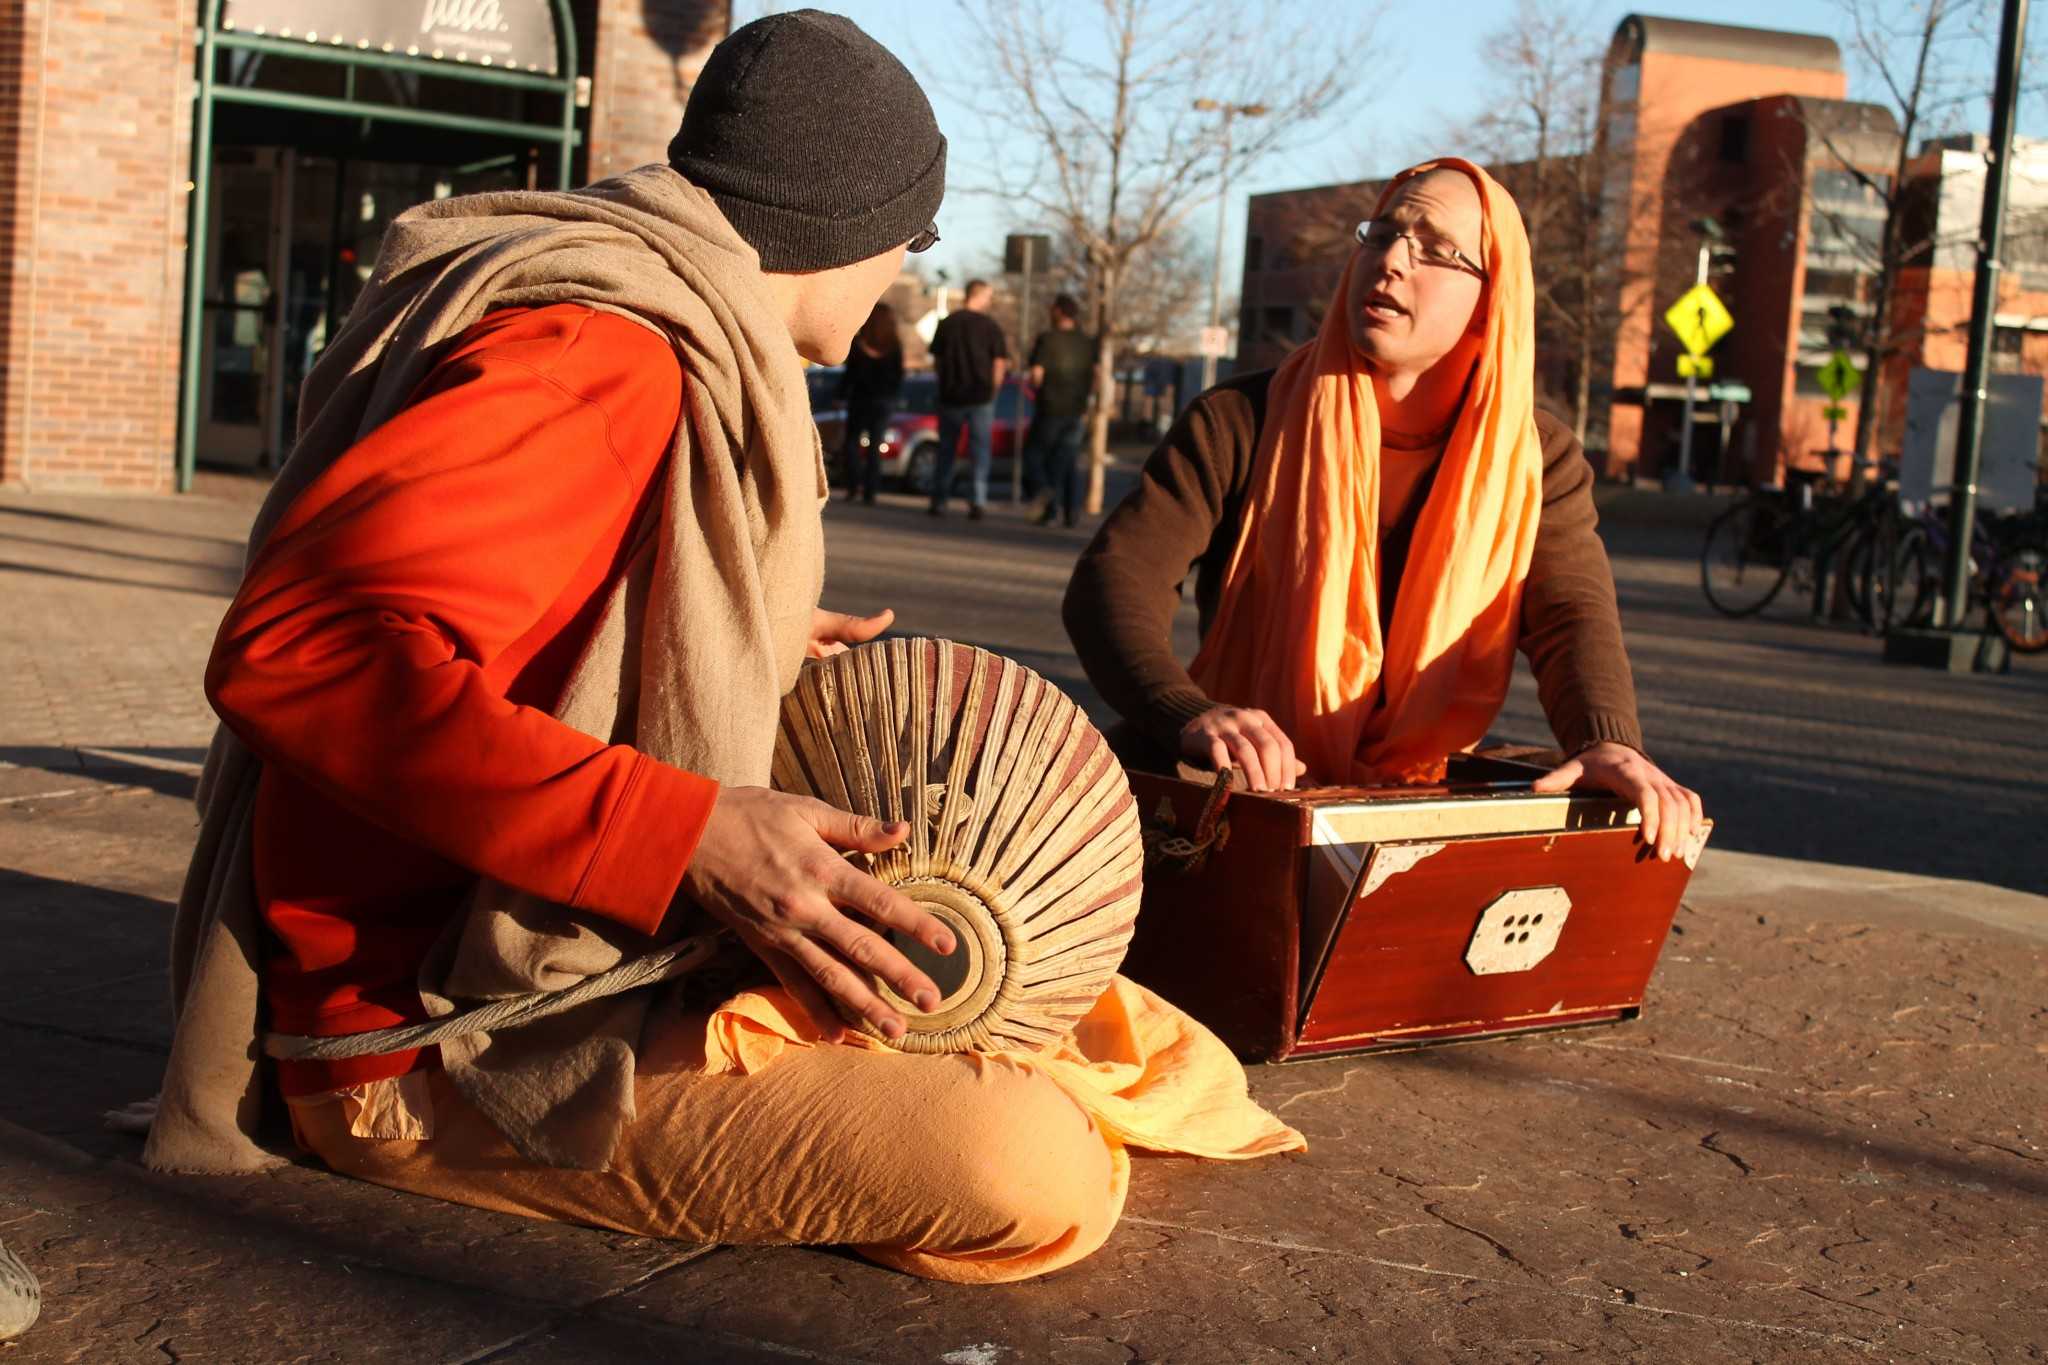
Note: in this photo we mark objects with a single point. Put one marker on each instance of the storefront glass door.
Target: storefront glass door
(246, 239)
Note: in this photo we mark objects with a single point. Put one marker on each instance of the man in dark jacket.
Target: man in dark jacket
(1062, 378)
(972, 356)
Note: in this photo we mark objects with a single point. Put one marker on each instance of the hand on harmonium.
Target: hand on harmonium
(770, 866)
(1243, 737)
(1670, 812)
(835, 632)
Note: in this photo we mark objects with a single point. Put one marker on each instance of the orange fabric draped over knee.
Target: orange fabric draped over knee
(969, 1167)
(1298, 630)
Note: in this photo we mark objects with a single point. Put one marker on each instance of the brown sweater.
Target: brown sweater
(1185, 515)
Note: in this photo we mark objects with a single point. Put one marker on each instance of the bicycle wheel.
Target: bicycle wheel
(1861, 582)
(1914, 583)
(2019, 599)
(1748, 552)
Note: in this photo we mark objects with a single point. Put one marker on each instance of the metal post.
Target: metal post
(1983, 305)
(195, 250)
(566, 67)
(1019, 439)
(1216, 273)
(1229, 111)
(277, 442)
(1680, 480)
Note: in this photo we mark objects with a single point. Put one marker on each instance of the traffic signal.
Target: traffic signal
(1842, 327)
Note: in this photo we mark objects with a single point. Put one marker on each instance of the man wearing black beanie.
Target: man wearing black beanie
(819, 147)
(504, 674)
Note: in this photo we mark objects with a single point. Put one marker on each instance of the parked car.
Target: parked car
(910, 446)
(828, 409)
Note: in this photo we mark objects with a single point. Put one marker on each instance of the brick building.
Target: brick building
(316, 140)
(1295, 246)
(1738, 139)
(1783, 179)
(1931, 303)
(1668, 87)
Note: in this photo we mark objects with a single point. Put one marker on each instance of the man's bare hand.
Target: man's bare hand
(1246, 738)
(834, 632)
(768, 867)
(1670, 812)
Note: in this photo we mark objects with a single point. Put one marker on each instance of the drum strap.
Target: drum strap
(648, 970)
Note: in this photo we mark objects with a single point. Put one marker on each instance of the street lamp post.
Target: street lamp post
(1229, 111)
(1680, 480)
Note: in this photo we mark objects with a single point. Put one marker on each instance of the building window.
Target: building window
(2007, 348)
(1279, 324)
(1834, 236)
(1845, 188)
(1254, 252)
(1626, 85)
(1832, 284)
(1735, 137)
(2026, 248)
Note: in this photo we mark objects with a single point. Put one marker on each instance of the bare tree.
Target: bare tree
(1164, 293)
(1927, 59)
(1541, 136)
(1119, 157)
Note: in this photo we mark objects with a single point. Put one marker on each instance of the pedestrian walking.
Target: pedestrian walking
(1062, 370)
(872, 386)
(972, 357)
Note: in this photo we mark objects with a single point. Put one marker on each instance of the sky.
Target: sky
(1435, 80)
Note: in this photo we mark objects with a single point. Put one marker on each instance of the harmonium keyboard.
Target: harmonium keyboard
(1303, 923)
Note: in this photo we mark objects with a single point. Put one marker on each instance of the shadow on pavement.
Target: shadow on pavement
(108, 524)
(206, 565)
(225, 590)
(159, 768)
(1824, 1140)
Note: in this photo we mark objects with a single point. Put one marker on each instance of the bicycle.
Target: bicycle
(1778, 535)
(2008, 575)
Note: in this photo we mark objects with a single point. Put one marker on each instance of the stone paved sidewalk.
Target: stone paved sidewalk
(1824, 1140)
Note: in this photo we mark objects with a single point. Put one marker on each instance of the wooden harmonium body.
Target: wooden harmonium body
(1353, 919)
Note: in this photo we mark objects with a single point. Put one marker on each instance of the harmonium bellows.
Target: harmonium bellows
(1351, 919)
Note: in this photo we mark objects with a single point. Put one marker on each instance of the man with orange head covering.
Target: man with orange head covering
(1375, 527)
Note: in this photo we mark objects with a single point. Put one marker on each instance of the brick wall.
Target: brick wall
(95, 129)
(1674, 90)
(96, 110)
(648, 55)
(20, 39)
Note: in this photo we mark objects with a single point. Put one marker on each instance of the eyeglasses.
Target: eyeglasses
(1378, 236)
(926, 240)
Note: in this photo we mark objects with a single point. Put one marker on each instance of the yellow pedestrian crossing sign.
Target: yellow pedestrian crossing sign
(1839, 377)
(1700, 319)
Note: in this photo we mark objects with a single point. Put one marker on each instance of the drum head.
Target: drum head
(1024, 836)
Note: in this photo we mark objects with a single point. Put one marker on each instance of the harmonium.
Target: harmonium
(1303, 923)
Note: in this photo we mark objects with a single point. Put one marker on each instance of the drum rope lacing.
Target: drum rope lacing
(649, 969)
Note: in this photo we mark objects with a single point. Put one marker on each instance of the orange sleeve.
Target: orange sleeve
(356, 652)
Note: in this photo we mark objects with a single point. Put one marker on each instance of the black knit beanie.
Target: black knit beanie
(816, 142)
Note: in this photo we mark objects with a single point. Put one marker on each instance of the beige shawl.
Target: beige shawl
(699, 639)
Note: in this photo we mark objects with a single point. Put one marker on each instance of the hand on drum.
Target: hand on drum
(1242, 737)
(835, 632)
(1670, 812)
(769, 867)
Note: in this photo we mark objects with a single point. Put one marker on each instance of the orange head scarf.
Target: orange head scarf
(1298, 631)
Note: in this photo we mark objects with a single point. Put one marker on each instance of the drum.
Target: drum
(1355, 919)
(1024, 834)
